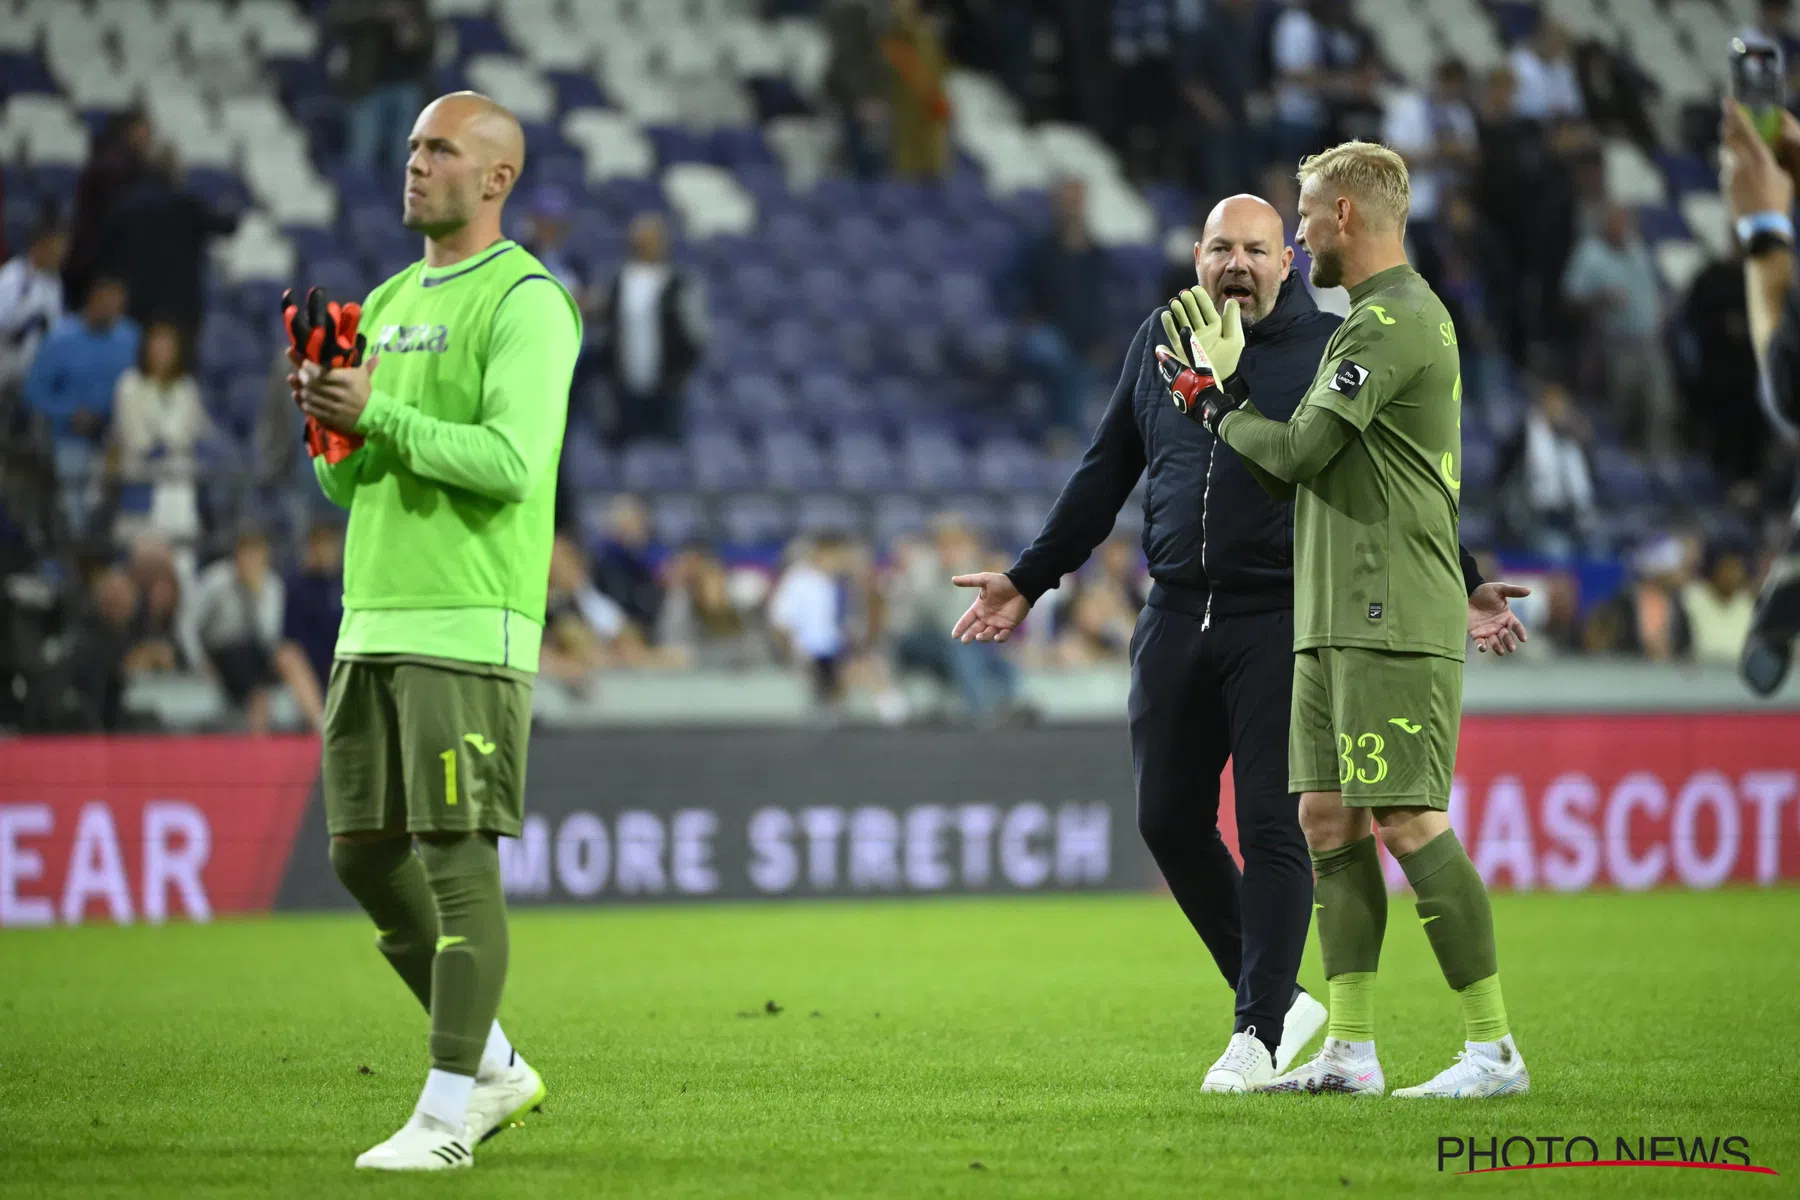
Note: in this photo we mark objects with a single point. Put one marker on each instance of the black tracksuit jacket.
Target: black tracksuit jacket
(1215, 540)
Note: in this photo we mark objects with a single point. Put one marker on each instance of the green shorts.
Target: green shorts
(434, 749)
(1377, 726)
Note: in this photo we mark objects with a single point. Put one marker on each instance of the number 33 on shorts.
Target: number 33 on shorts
(1360, 758)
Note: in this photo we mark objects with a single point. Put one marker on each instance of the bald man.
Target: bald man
(1212, 658)
(460, 404)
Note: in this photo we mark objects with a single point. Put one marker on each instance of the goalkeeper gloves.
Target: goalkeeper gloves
(1192, 318)
(1194, 387)
(324, 332)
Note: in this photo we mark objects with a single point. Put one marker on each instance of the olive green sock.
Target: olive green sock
(1350, 905)
(468, 972)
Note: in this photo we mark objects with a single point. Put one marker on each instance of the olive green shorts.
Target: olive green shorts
(1377, 726)
(428, 748)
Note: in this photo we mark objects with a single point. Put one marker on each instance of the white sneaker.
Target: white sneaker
(423, 1144)
(502, 1098)
(1337, 1067)
(1481, 1069)
(1305, 1017)
(1244, 1064)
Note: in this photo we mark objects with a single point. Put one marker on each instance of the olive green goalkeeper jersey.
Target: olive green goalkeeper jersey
(1375, 518)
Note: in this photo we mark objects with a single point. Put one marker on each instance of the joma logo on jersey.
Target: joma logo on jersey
(410, 339)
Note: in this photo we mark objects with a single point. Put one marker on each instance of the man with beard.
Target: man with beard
(1212, 657)
(1374, 454)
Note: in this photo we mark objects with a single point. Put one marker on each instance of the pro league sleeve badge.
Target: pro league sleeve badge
(1348, 379)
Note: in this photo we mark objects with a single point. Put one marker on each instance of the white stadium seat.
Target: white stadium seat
(515, 84)
(277, 30)
(1631, 178)
(805, 146)
(258, 250)
(709, 199)
(612, 144)
(1678, 260)
(1708, 220)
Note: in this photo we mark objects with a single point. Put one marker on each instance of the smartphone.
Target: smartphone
(1759, 84)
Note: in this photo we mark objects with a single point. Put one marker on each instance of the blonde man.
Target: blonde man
(1374, 456)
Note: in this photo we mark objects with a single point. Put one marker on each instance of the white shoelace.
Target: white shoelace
(1243, 1053)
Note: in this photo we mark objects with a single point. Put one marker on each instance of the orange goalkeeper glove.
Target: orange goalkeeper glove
(324, 332)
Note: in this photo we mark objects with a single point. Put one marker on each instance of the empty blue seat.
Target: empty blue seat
(648, 467)
(861, 461)
(479, 35)
(828, 511)
(677, 144)
(739, 148)
(1008, 465)
(755, 520)
(24, 73)
(828, 294)
(933, 460)
(576, 89)
(587, 464)
(340, 277)
(860, 242)
(893, 296)
(791, 460)
(719, 462)
(677, 520)
(897, 515)
(760, 399)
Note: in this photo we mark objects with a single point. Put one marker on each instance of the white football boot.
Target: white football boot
(502, 1098)
(1337, 1067)
(423, 1144)
(1305, 1017)
(1481, 1069)
(1244, 1065)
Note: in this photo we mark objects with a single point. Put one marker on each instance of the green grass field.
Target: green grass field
(1057, 1043)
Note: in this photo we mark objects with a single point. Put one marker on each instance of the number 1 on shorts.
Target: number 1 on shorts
(449, 757)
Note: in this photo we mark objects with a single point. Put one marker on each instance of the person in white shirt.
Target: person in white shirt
(31, 301)
(1434, 129)
(230, 625)
(158, 422)
(1544, 73)
(809, 613)
(1546, 470)
(1315, 53)
(1719, 606)
(654, 326)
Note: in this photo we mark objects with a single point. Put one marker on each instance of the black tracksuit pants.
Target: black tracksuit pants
(1199, 697)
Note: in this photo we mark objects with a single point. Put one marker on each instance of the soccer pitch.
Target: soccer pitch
(1016, 1047)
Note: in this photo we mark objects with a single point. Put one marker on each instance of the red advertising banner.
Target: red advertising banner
(1627, 801)
(147, 829)
(152, 829)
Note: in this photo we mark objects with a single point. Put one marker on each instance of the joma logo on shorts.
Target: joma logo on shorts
(407, 339)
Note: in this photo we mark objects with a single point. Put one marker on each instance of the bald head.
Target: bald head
(464, 156)
(1242, 255)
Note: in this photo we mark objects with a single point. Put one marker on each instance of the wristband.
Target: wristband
(1763, 227)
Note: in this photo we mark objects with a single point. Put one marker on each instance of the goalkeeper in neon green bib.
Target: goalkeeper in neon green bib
(460, 401)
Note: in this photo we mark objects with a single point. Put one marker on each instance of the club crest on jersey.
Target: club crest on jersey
(411, 339)
(1349, 379)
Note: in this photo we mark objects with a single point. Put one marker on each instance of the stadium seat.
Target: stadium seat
(1706, 216)
(754, 520)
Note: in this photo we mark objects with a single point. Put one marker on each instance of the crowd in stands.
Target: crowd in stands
(160, 504)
